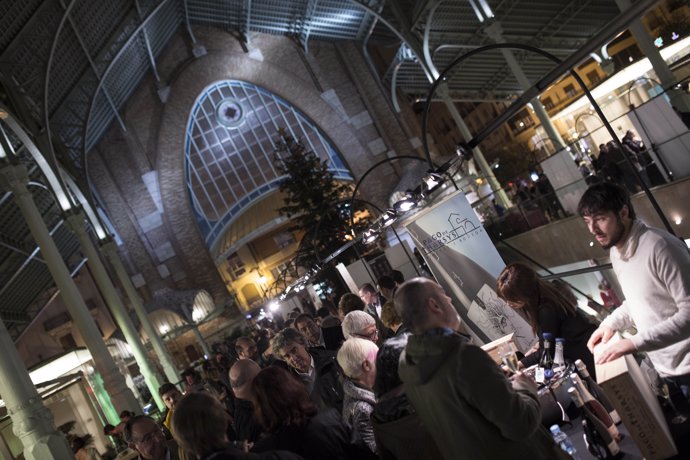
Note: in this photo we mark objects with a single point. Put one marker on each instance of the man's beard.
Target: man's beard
(618, 236)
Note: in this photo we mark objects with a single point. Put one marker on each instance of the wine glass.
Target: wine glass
(508, 357)
(662, 389)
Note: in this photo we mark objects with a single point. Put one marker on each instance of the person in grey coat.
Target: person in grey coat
(357, 358)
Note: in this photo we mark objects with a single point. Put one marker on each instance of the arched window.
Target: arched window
(250, 293)
(229, 150)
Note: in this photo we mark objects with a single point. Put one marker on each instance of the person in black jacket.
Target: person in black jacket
(399, 433)
(548, 308)
(315, 367)
(241, 375)
(292, 420)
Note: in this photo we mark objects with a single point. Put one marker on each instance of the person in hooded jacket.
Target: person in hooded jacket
(468, 405)
(398, 430)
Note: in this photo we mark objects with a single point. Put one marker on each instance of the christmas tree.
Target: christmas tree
(315, 201)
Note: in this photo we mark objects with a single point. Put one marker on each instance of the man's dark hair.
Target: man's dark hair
(303, 317)
(285, 337)
(191, 372)
(322, 312)
(398, 277)
(386, 282)
(78, 442)
(244, 339)
(165, 388)
(130, 424)
(367, 287)
(605, 197)
(350, 302)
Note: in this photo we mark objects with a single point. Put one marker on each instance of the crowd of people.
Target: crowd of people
(387, 374)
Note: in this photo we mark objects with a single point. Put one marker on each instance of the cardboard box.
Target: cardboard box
(493, 348)
(631, 394)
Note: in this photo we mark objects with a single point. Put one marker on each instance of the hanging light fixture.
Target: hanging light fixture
(432, 181)
(370, 235)
(409, 201)
(388, 217)
(463, 151)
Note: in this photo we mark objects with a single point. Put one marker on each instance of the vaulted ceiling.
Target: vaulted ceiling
(67, 68)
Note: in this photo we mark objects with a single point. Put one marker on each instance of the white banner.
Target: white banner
(465, 262)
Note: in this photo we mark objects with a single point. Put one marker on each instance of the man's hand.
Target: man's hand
(615, 351)
(522, 381)
(603, 334)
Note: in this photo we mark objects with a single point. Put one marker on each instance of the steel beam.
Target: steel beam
(149, 53)
(92, 64)
(596, 42)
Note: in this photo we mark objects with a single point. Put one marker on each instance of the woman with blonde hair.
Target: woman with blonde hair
(548, 307)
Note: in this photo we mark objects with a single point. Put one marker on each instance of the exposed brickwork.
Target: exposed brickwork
(155, 137)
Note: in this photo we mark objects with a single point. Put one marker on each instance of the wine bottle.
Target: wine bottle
(594, 442)
(546, 359)
(597, 391)
(595, 407)
(598, 432)
(544, 371)
(558, 360)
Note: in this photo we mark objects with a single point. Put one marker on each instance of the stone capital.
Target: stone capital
(75, 221)
(15, 179)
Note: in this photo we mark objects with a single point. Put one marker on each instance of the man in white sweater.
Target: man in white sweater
(653, 268)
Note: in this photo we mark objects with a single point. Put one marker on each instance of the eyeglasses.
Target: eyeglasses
(371, 336)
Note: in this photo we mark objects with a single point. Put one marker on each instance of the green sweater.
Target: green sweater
(468, 406)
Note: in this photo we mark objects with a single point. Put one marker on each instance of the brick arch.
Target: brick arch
(178, 212)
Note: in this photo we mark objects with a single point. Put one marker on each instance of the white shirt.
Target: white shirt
(653, 268)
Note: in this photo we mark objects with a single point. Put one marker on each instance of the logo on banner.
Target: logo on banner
(460, 229)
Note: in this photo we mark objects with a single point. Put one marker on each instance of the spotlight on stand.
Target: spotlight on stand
(432, 181)
(409, 201)
(370, 235)
(388, 217)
